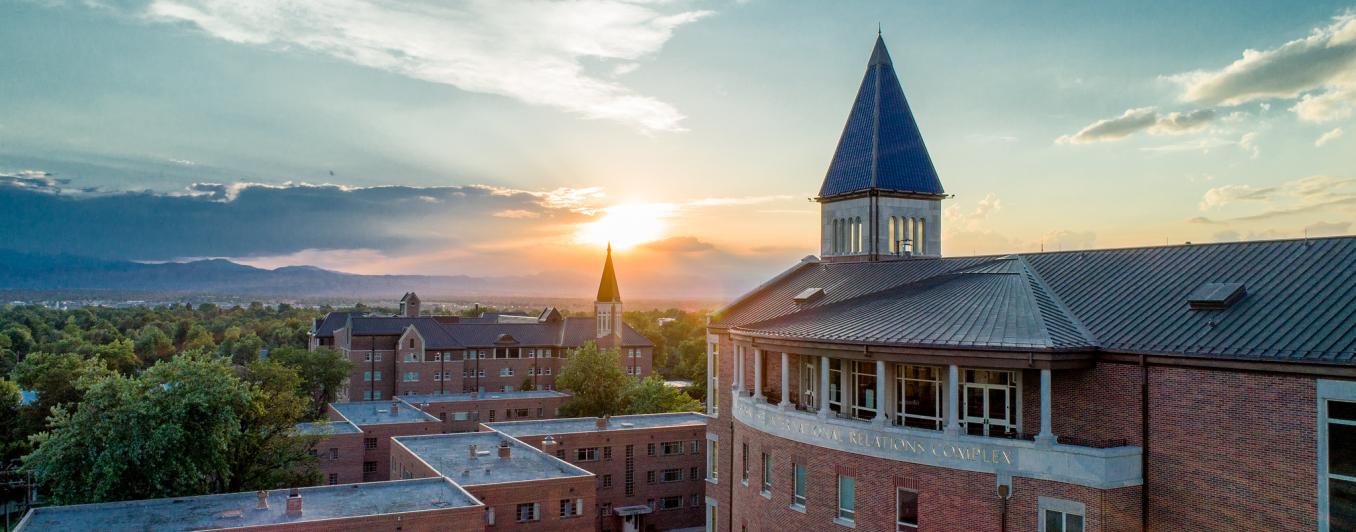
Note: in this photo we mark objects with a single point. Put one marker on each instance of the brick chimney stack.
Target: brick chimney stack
(505, 452)
(294, 503)
(395, 408)
(263, 500)
(602, 422)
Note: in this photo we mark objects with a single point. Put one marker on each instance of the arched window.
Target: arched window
(892, 235)
(922, 235)
(833, 236)
(860, 236)
(852, 246)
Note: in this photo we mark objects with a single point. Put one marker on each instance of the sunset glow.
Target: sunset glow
(625, 226)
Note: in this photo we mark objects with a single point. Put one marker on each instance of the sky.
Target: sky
(513, 137)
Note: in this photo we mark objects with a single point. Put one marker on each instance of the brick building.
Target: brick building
(650, 469)
(416, 354)
(882, 386)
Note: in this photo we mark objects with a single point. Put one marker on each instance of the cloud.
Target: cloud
(250, 219)
(1227, 194)
(1142, 119)
(680, 244)
(517, 213)
(975, 219)
(1326, 58)
(1064, 240)
(1309, 195)
(1330, 136)
(1326, 107)
(1327, 229)
(536, 52)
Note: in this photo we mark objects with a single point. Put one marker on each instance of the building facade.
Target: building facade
(883, 386)
(414, 354)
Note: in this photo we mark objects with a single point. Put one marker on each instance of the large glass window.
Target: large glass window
(906, 510)
(767, 473)
(798, 485)
(865, 396)
(836, 385)
(1057, 521)
(919, 389)
(809, 383)
(847, 498)
(1341, 453)
(990, 398)
(712, 453)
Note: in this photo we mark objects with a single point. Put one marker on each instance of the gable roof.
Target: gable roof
(881, 147)
(1299, 302)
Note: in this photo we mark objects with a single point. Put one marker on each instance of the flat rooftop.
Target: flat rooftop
(449, 455)
(235, 510)
(487, 396)
(570, 425)
(326, 428)
(379, 413)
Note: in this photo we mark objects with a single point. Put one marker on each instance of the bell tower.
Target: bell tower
(881, 198)
(607, 309)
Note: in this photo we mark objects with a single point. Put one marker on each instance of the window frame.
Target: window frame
(1064, 507)
(845, 515)
(1329, 391)
(900, 524)
(800, 477)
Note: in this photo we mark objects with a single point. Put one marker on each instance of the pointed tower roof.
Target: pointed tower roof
(607, 287)
(881, 147)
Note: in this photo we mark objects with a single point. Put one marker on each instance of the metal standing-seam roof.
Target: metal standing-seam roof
(995, 304)
(1299, 303)
(881, 147)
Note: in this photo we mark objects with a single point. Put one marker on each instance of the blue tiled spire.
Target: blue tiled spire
(881, 147)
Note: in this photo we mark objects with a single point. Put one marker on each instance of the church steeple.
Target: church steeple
(881, 196)
(607, 309)
(607, 287)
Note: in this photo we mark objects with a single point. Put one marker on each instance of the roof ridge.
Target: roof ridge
(1034, 281)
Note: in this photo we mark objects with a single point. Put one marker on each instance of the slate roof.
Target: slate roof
(325, 327)
(1299, 306)
(881, 147)
(569, 332)
(436, 335)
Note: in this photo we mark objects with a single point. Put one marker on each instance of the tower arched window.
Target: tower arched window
(892, 235)
(860, 235)
(922, 234)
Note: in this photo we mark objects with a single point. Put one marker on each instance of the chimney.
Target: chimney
(505, 452)
(395, 408)
(263, 500)
(602, 422)
(294, 503)
(473, 450)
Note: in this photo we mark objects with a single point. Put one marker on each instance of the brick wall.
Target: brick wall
(1242, 444)
(348, 467)
(645, 492)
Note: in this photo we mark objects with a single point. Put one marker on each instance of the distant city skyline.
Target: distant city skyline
(517, 138)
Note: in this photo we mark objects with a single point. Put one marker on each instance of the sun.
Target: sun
(625, 226)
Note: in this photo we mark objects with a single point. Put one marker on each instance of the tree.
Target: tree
(266, 438)
(243, 350)
(56, 378)
(153, 344)
(527, 385)
(12, 443)
(652, 396)
(118, 355)
(323, 372)
(596, 379)
(185, 426)
(198, 339)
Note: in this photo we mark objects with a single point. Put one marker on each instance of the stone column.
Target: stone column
(881, 417)
(823, 395)
(953, 401)
(786, 381)
(1047, 436)
(758, 374)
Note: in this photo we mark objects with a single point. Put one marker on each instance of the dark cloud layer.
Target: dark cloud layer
(39, 216)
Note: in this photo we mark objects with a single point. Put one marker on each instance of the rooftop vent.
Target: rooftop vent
(1213, 296)
(505, 452)
(602, 422)
(395, 408)
(628, 425)
(263, 500)
(549, 442)
(231, 514)
(808, 295)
